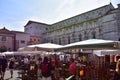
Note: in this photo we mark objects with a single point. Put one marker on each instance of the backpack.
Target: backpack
(45, 68)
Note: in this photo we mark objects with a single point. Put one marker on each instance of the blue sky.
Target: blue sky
(14, 14)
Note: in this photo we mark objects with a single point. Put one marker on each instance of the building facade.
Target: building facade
(100, 23)
(21, 39)
(7, 40)
(35, 40)
(36, 30)
(12, 40)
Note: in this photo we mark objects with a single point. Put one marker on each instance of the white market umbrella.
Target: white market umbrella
(90, 42)
(93, 43)
(42, 47)
(6, 53)
(2, 54)
(47, 45)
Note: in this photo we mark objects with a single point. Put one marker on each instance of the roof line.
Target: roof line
(82, 13)
(30, 21)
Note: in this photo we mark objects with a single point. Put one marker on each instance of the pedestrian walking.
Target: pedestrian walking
(4, 66)
(0, 66)
(46, 67)
(26, 63)
(11, 66)
(38, 62)
(72, 68)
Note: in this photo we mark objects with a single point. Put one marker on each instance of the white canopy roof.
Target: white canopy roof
(98, 52)
(106, 52)
(90, 41)
(46, 45)
(37, 47)
(93, 44)
(8, 53)
(110, 52)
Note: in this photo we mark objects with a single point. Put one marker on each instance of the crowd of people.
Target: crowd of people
(47, 67)
(53, 67)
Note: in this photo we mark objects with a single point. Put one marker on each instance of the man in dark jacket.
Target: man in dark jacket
(0, 67)
(4, 66)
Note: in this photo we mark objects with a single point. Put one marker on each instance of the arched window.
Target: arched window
(63, 40)
(3, 38)
(54, 40)
(73, 37)
(51, 41)
(119, 39)
(93, 34)
(80, 37)
(68, 39)
(60, 41)
(3, 48)
(85, 35)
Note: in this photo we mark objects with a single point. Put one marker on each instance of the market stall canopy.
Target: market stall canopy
(1, 54)
(110, 52)
(98, 52)
(41, 47)
(94, 44)
(8, 53)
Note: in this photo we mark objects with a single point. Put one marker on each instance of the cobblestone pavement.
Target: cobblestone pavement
(15, 75)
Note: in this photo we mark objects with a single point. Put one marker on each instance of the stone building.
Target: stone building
(36, 30)
(100, 23)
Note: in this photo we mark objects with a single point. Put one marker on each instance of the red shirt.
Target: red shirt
(72, 68)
